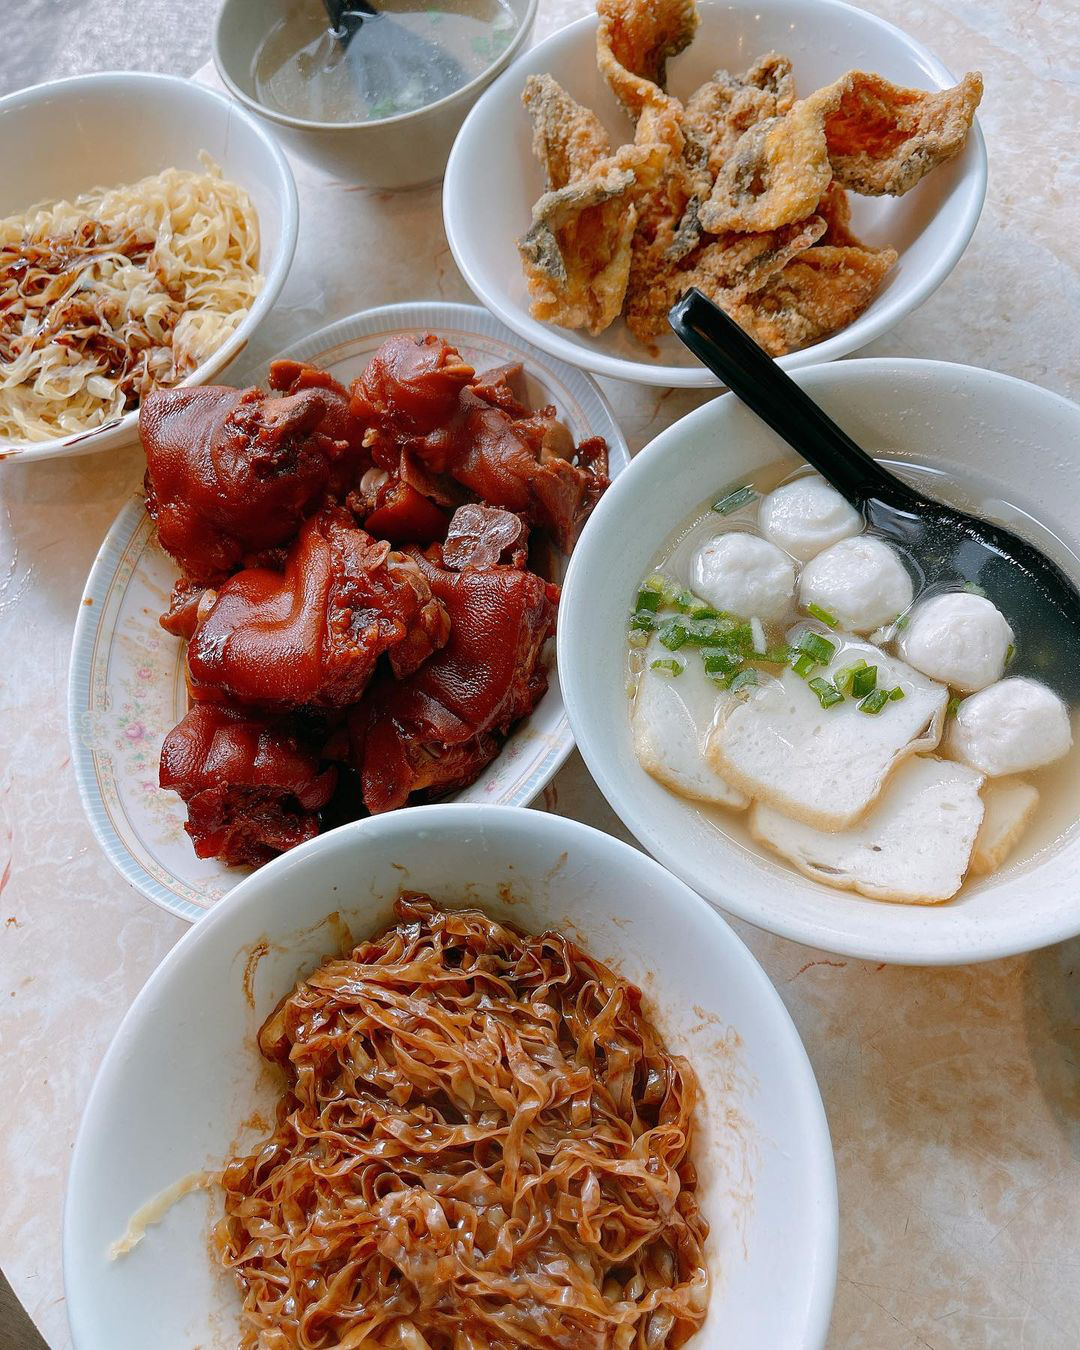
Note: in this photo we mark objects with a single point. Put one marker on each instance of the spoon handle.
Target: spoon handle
(755, 378)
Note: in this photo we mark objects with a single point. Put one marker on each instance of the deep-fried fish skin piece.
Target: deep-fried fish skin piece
(778, 171)
(576, 254)
(883, 138)
(726, 269)
(869, 135)
(635, 41)
(722, 109)
(835, 209)
(568, 139)
(817, 293)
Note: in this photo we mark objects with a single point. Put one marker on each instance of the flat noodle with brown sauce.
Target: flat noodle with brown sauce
(483, 1142)
(627, 232)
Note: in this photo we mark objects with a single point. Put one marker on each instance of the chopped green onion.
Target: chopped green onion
(777, 656)
(642, 621)
(863, 682)
(953, 706)
(873, 703)
(743, 679)
(720, 660)
(827, 693)
(844, 676)
(648, 599)
(740, 497)
(803, 665)
(972, 589)
(822, 614)
(901, 622)
(693, 605)
(1009, 654)
(673, 634)
(637, 637)
(896, 694)
(658, 583)
(820, 650)
(669, 667)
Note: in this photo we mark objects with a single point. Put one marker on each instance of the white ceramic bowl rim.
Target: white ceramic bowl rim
(486, 76)
(273, 277)
(822, 1220)
(974, 940)
(863, 330)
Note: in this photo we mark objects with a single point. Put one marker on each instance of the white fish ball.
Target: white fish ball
(1010, 727)
(861, 581)
(807, 515)
(745, 575)
(960, 639)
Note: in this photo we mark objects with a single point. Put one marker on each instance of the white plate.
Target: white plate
(967, 423)
(126, 689)
(63, 137)
(182, 1076)
(493, 177)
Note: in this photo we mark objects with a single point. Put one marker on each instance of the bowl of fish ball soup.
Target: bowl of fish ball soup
(788, 713)
(379, 100)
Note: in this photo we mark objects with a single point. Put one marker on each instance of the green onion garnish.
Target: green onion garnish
(777, 656)
(669, 667)
(896, 694)
(863, 682)
(873, 703)
(901, 622)
(743, 679)
(972, 589)
(697, 608)
(953, 706)
(740, 497)
(803, 665)
(673, 634)
(827, 693)
(648, 599)
(720, 660)
(637, 637)
(642, 621)
(843, 677)
(820, 650)
(822, 614)
(1009, 654)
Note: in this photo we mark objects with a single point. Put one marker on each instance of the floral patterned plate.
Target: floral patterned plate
(126, 688)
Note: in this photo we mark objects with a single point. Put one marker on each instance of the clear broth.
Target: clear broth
(432, 48)
(1057, 816)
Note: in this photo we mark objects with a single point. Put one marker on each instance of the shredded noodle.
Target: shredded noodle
(483, 1143)
(103, 297)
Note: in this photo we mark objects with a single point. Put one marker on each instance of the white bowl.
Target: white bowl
(69, 136)
(493, 178)
(954, 418)
(180, 1078)
(408, 150)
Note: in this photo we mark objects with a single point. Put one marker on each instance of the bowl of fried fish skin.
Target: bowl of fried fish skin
(811, 168)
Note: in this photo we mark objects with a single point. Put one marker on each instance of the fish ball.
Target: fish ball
(1011, 727)
(746, 575)
(960, 639)
(861, 581)
(807, 515)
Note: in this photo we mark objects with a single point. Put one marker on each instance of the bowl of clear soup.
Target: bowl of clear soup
(379, 98)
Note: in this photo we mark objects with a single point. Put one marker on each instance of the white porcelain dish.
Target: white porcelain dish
(126, 688)
(408, 150)
(953, 418)
(69, 136)
(182, 1075)
(493, 178)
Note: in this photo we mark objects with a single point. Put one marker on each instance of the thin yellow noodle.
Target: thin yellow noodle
(161, 313)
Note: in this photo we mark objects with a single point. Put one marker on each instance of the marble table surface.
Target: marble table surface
(953, 1096)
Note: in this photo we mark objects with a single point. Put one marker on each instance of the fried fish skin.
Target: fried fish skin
(634, 42)
(726, 106)
(817, 293)
(568, 139)
(869, 135)
(883, 138)
(727, 269)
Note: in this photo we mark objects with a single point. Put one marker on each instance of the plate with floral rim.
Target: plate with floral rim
(127, 690)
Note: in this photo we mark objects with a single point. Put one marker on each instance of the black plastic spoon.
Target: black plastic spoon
(391, 58)
(950, 547)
